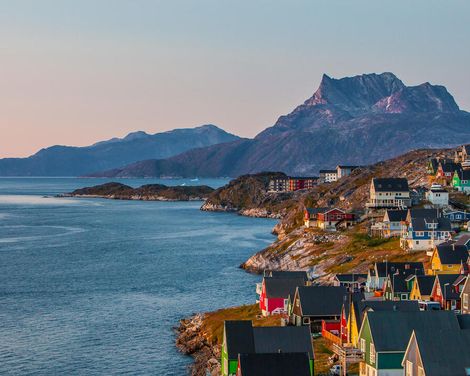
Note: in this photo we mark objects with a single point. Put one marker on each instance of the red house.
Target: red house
(296, 183)
(445, 171)
(446, 290)
(276, 293)
(331, 219)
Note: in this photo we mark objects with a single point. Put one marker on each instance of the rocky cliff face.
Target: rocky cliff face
(248, 196)
(354, 120)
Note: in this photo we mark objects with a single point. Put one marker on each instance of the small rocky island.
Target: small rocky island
(148, 192)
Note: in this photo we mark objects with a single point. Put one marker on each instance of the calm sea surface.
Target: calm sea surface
(94, 287)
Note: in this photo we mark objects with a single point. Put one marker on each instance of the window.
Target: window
(306, 320)
(372, 354)
(363, 345)
(465, 301)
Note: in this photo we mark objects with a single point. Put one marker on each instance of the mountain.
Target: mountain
(77, 161)
(353, 120)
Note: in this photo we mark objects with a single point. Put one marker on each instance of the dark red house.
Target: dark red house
(446, 290)
(296, 183)
(333, 218)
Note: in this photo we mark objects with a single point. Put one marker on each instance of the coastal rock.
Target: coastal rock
(191, 341)
(295, 251)
(248, 195)
(149, 192)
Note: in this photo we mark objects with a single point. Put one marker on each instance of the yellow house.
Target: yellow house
(422, 287)
(447, 258)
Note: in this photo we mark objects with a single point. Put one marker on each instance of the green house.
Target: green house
(240, 337)
(461, 180)
(384, 336)
(398, 286)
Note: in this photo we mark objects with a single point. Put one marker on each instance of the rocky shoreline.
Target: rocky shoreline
(190, 340)
(149, 192)
(253, 212)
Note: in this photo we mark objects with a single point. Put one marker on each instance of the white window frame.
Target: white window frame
(363, 345)
(372, 353)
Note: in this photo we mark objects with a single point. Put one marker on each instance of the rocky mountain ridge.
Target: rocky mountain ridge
(61, 160)
(354, 120)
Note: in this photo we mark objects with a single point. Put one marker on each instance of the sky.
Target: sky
(77, 72)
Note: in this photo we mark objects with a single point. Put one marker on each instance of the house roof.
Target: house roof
(286, 274)
(464, 174)
(316, 210)
(452, 253)
(351, 277)
(446, 282)
(385, 268)
(438, 190)
(446, 357)
(425, 283)
(351, 298)
(347, 167)
(396, 215)
(327, 171)
(420, 224)
(434, 164)
(321, 300)
(450, 166)
(278, 364)
(242, 338)
(463, 240)
(390, 184)
(464, 321)
(391, 330)
(398, 283)
(288, 339)
(239, 337)
(423, 213)
(282, 287)
(383, 305)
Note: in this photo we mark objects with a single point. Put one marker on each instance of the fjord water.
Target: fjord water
(94, 286)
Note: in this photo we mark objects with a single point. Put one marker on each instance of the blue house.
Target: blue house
(457, 216)
(423, 234)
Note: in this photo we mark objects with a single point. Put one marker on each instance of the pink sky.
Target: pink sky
(75, 73)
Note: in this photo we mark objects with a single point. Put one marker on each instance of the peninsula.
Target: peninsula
(147, 192)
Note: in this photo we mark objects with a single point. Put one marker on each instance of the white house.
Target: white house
(438, 196)
(389, 193)
(328, 176)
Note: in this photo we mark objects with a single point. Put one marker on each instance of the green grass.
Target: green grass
(213, 324)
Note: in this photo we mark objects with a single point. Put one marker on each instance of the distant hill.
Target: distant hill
(354, 120)
(148, 192)
(76, 161)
